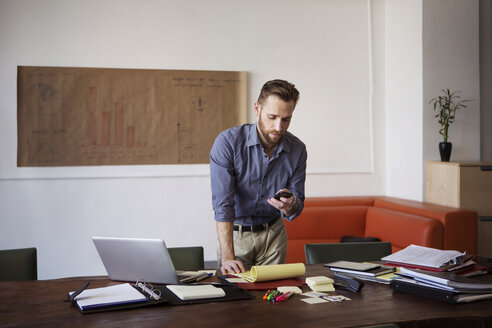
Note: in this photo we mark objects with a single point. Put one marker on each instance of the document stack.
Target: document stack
(432, 259)
(320, 284)
(443, 286)
(364, 270)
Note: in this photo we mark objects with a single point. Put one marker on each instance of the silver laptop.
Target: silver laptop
(132, 259)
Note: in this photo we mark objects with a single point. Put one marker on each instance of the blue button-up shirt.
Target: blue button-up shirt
(243, 177)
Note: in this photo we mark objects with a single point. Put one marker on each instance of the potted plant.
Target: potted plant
(446, 107)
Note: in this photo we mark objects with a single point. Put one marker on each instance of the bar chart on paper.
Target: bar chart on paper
(109, 127)
(89, 116)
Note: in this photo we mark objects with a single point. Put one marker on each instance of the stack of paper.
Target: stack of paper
(426, 257)
(360, 268)
(320, 284)
(432, 259)
(443, 286)
(196, 292)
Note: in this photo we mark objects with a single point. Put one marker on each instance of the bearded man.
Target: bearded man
(258, 172)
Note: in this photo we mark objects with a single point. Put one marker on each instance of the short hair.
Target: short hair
(281, 88)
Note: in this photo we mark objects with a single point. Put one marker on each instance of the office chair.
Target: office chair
(187, 258)
(18, 264)
(357, 252)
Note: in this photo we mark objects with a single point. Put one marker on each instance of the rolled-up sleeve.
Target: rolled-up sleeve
(223, 179)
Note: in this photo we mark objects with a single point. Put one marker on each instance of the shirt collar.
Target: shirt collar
(253, 139)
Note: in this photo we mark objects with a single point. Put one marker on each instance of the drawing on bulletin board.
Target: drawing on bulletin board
(100, 116)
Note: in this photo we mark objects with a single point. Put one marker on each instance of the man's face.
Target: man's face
(274, 117)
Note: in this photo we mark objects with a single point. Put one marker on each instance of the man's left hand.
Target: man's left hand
(286, 205)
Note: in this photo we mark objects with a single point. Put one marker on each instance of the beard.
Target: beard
(271, 141)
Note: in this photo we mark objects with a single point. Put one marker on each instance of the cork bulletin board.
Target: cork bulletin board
(70, 116)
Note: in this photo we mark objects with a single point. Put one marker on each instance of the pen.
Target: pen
(273, 292)
(279, 297)
(285, 297)
(266, 294)
(204, 277)
(289, 294)
(275, 295)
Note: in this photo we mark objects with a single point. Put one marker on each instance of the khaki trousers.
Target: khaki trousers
(260, 248)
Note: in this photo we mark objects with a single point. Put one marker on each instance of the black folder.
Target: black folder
(428, 292)
(437, 293)
(162, 295)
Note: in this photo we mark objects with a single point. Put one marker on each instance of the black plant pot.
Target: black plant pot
(445, 151)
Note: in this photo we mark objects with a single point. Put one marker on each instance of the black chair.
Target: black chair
(18, 264)
(357, 252)
(187, 258)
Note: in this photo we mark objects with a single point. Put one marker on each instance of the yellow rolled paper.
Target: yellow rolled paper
(274, 272)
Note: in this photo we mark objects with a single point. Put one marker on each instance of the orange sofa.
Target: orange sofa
(399, 221)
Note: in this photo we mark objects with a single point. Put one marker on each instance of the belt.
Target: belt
(255, 228)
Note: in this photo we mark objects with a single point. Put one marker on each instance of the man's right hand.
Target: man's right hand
(232, 266)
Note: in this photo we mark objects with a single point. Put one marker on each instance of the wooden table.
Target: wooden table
(42, 304)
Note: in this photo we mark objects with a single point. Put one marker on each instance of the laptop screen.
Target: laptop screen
(132, 259)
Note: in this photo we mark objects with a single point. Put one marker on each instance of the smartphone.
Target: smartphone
(286, 194)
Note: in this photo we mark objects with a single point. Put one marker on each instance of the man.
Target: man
(249, 164)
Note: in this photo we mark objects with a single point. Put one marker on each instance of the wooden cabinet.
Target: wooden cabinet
(466, 185)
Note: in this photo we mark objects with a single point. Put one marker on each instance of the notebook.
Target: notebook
(360, 269)
(132, 259)
(195, 292)
(108, 296)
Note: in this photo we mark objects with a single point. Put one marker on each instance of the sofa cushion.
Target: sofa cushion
(323, 225)
(328, 222)
(457, 222)
(403, 229)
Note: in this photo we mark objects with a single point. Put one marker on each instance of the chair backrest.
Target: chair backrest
(187, 258)
(357, 252)
(18, 264)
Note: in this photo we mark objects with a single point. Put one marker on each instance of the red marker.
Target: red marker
(285, 297)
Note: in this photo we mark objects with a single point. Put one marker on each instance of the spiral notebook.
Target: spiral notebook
(196, 292)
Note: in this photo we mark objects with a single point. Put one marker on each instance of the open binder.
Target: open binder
(148, 295)
(115, 297)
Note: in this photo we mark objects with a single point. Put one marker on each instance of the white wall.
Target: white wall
(330, 49)
(451, 60)
(430, 45)
(404, 98)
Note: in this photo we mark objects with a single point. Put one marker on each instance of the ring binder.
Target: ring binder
(149, 290)
(115, 297)
(122, 296)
